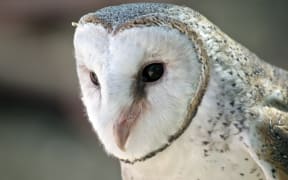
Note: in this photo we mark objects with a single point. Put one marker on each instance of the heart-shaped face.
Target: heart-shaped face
(140, 85)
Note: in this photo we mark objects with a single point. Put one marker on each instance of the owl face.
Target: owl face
(137, 85)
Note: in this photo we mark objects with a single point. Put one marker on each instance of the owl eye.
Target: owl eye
(152, 72)
(94, 78)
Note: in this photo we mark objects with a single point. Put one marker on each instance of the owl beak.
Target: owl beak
(123, 126)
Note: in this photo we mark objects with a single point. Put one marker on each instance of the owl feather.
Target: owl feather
(215, 109)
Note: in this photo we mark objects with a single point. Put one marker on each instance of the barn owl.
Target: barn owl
(173, 97)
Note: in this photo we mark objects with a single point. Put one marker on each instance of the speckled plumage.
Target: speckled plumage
(247, 96)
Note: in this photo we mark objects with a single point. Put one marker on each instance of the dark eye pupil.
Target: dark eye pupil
(94, 78)
(152, 72)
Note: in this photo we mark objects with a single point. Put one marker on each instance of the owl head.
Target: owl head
(142, 74)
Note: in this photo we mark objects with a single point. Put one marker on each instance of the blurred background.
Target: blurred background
(44, 133)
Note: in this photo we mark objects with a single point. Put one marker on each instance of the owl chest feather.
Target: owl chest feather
(213, 146)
